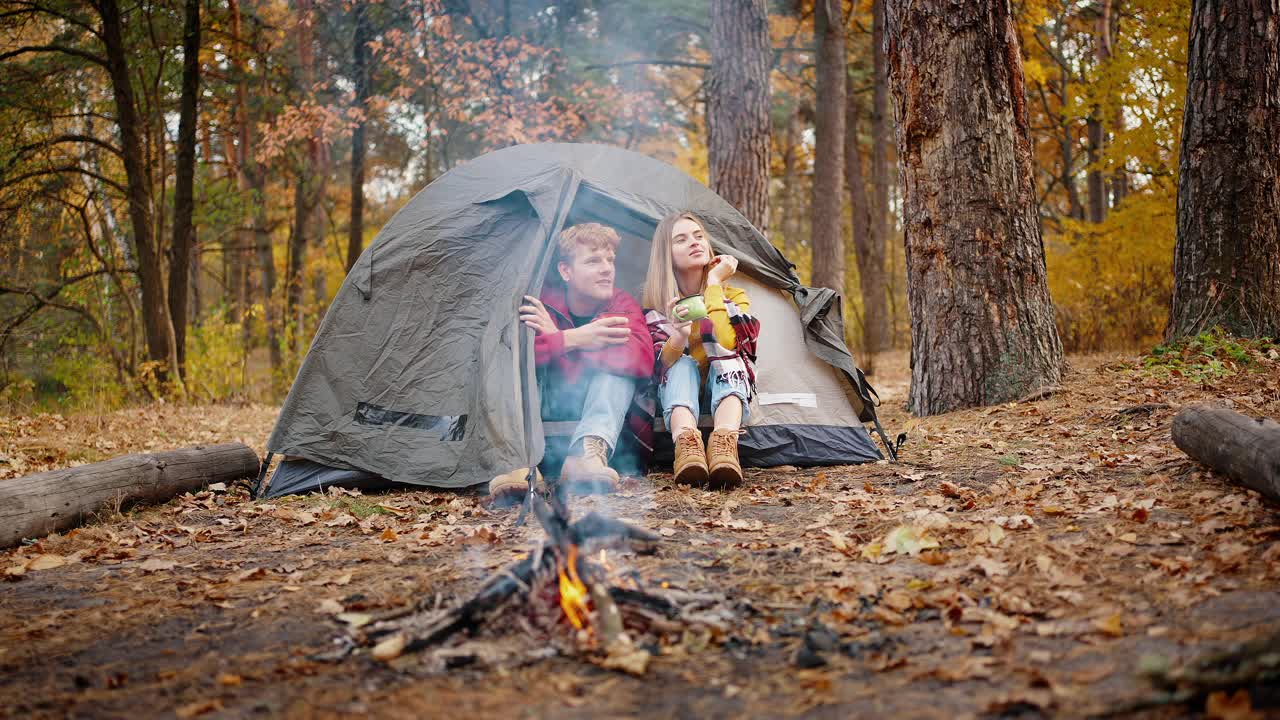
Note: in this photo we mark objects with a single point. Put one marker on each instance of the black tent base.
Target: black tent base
(768, 446)
(763, 446)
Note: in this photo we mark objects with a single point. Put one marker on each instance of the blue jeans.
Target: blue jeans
(683, 388)
(598, 401)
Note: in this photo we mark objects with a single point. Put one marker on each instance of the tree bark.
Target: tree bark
(827, 224)
(738, 123)
(791, 186)
(869, 257)
(240, 260)
(297, 253)
(36, 505)
(155, 310)
(982, 328)
(1238, 446)
(184, 184)
(879, 142)
(1227, 257)
(360, 64)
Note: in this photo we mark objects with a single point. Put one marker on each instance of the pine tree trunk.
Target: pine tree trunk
(360, 63)
(880, 139)
(982, 326)
(240, 257)
(155, 311)
(184, 184)
(827, 224)
(738, 106)
(869, 257)
(791, 186)
(1227, 259)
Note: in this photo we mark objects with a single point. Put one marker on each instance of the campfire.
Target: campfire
(563, 597)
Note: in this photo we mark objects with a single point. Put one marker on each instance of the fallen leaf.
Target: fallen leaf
(388, 535)
(838, 539)
(906, 540)
(250, 574)
(666, 531)
(1237, 706)
(155, 564)
(1015, 522)
(390, 648)
(990, 566)
(1112, 625)
(47, 561)
(229, 680)
(354, 619)
(329, 606)
(200, 707)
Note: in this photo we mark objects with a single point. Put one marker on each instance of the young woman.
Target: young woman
(707, 363)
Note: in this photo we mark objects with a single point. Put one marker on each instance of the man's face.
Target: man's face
(590, 274)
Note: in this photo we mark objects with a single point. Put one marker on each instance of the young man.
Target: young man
(594, 357)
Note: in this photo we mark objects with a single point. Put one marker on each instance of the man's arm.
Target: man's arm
(634, 358)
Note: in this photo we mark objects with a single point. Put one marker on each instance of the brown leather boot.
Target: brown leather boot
(722, 457)
(690, 467)
(511, 488)
(590, 473)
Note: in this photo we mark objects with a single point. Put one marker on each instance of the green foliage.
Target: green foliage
(80, 380)
(1209, 356)
(215, 360)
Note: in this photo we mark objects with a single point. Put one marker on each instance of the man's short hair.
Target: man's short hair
(588, 237)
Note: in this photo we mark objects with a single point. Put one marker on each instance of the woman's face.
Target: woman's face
(689, 246)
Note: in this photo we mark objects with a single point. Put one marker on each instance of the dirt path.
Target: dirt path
(1069, 539)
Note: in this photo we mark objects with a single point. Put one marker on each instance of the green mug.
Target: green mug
(694, 304)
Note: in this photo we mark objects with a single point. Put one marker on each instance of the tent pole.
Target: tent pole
(262, 474)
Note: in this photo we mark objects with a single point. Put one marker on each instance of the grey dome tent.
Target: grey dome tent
(421, 373)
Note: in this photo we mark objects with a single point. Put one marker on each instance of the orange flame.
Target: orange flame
(573, 594)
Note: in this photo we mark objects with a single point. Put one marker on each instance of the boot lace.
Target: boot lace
(688, 441)
(724, 443)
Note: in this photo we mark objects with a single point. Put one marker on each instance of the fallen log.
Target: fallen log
(36, 505)
(1242, 448)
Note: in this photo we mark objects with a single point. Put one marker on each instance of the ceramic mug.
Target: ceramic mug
(696, 306)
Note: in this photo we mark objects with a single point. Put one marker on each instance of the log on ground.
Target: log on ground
(36, 505)
(1243, 448)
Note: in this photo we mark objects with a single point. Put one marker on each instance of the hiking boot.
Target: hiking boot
(690, 466)
(509, 489)
(722, 457)
(589, 473)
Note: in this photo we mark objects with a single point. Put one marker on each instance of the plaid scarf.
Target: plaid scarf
(724, 363)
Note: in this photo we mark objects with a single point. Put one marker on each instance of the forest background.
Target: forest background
(185, 182)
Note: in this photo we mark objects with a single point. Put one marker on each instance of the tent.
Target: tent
(421, 372)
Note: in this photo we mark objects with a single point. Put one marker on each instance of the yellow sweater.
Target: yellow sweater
(714, 295)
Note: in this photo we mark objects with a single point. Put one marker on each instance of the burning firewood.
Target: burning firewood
(607, 619)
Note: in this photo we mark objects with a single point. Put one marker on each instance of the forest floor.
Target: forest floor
(1076, 548)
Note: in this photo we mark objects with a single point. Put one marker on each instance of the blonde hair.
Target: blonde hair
(588, 237)
(660, 281)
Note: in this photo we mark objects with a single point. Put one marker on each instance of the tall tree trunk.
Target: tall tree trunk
(827, 223)
(791, 186)
(738, 106)
(869, 256)
(1076, 208)
(1095, 127)
(1227, 259)
(982, 328)
(155, 312)
(267, 268)
(360, 63)
(242, 255)
(879, 137)
(184, 184)
(302, 222)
